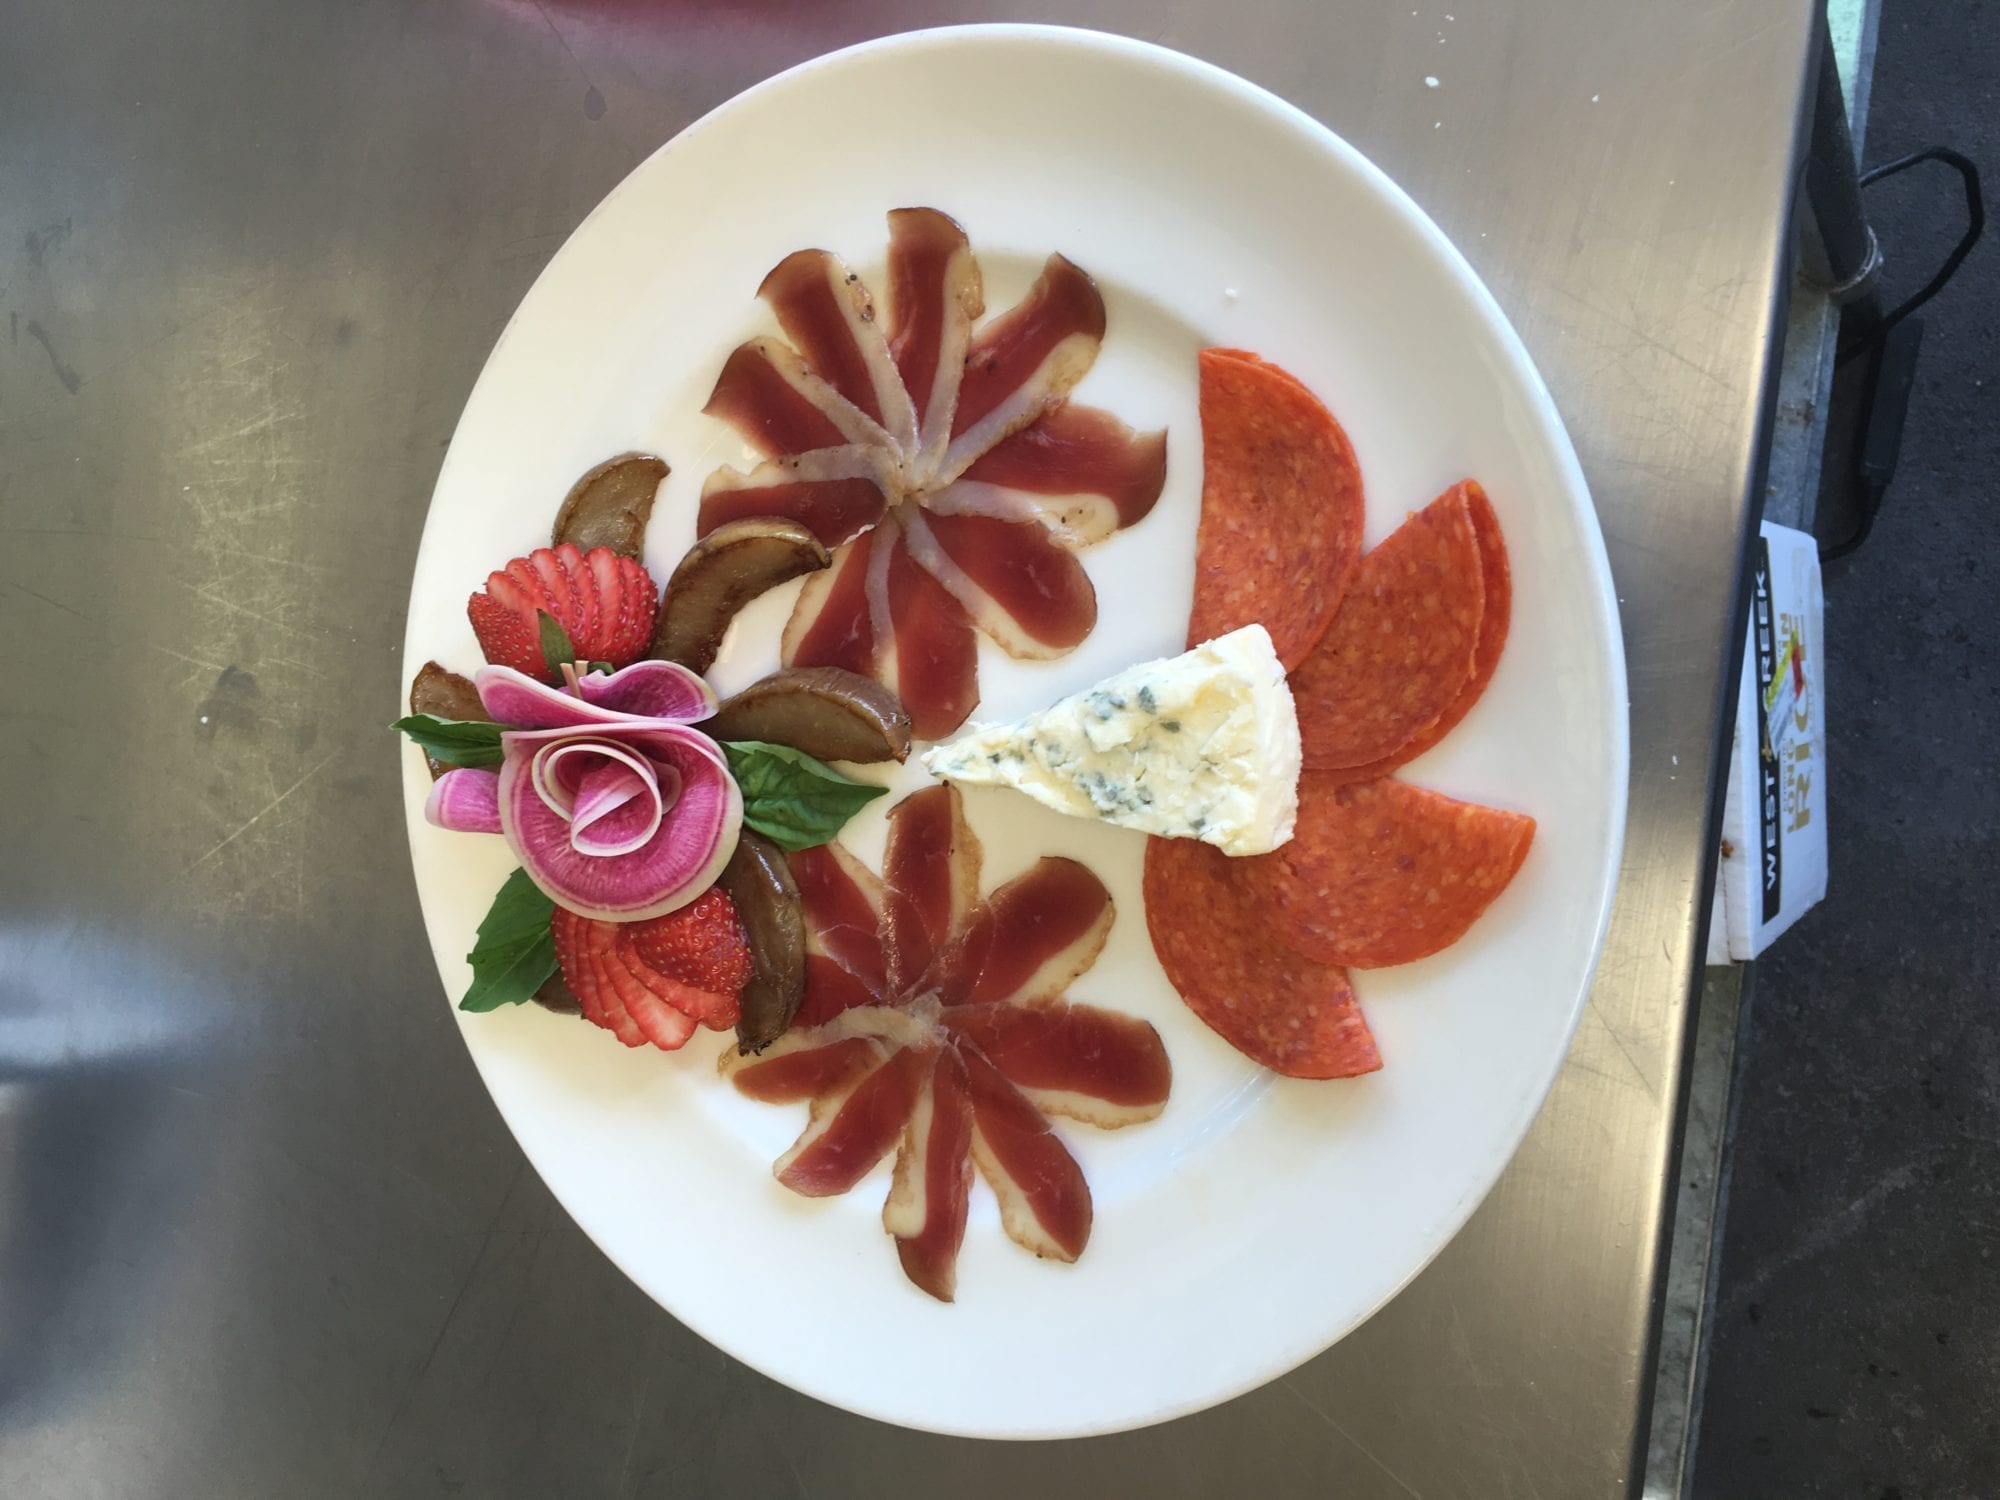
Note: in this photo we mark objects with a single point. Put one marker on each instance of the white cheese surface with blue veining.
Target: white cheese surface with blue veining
(1203, 745)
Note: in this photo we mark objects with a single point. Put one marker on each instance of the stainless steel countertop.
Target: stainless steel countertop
(261, 1232)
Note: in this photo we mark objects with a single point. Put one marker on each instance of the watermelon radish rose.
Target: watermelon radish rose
(617, 809)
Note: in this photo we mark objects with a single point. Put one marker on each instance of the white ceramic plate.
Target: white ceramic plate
(1259, 1219)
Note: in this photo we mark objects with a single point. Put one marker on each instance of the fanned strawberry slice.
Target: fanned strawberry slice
(703, 944)
(624, 995)
(605, 603)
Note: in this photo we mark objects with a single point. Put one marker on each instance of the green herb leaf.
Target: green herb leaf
(513, 952)
(456, 742)
(795, 801)
(557, 649)
(603, 666)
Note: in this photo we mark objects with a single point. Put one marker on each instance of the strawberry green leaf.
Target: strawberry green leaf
(557, 649)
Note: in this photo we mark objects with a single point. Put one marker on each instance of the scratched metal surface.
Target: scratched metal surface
(261, 1232)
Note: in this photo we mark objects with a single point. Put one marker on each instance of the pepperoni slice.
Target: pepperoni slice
(1382, 872)
(1497, 584)
(1402, 647)
(1281, 507)
(1293, 1014)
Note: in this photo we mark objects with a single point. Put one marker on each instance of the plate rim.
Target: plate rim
(1603, 602)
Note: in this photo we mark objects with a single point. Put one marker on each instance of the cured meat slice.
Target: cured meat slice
(1293, 1014)
(828, 315)
(1025, 361)
(1381, 872)
(1032, 937)
(1281, 507)
(1090, 1064)
(808, 1061)
(1400, 652)
(829, 990)
(833, 622)
(835, 493)
(1497, 587)
(925, 1209)
(930, 878)
(806, 1069)
(779, 406)
(933, 656)
(935, 295)
(1078, 471)
(853, 1128)
(842, 903)
(1016, 582)
(1044, 1201)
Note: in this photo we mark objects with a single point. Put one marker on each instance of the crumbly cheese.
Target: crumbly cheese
(1204, 745)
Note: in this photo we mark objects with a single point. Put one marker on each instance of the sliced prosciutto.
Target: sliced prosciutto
(835, 493)
(1015, 581)
(943, 451)
(935, 296)
(829, 316)
(1025, 361)
(930, 655)
(1079, 471)
(927, 1201)
(959, 1043)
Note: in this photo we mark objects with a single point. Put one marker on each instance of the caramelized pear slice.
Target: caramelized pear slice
(444, 695)
(556, 996)
(721, 573)
(609, 506)
(759, 881)
(824, 711)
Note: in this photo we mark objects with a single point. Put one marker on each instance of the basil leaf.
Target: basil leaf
(795, 801)
(513, 952)
(557, 651)
(456, 742)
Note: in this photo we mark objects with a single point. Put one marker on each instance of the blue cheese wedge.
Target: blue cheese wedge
(1204, 745)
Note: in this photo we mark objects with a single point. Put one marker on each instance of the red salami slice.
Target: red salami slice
(1381, 872)
(1291, 1013)
(1281, 507)
(1402, 647)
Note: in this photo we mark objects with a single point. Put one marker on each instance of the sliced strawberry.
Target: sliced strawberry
(664, 1025)
(605, 604)
(717, 1012)
(583, 591)
(574, 962)
(617, 1019)
(703, 944)
(553, 580)
(638, 604)
(507, 639)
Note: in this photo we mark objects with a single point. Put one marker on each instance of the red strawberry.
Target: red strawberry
(703, 944)
(604, 602)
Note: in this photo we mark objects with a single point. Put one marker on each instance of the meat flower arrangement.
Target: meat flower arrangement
(927, 477)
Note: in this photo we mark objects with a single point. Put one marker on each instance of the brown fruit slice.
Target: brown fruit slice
(609, 506)
(721, 573)
(759, 881)
(824, 711)
(444, 695)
